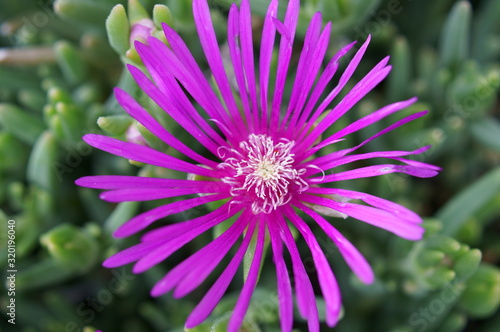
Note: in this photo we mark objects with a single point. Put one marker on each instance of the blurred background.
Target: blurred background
(59, 61)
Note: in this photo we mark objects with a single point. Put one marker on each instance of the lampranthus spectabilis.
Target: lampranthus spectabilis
(263, 165)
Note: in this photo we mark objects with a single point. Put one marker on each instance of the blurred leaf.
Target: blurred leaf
(461, 207)
(118, 29)
(481, 298)
(42, 163)
(454, 46)
(20, 123)
(487, 131)
(70, 61)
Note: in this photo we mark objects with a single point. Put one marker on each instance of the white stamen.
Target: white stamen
(264, 172)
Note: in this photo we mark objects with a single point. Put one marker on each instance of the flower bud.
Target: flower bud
(481, 298)
(118, 29)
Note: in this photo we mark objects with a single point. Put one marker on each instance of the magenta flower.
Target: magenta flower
(262, 162)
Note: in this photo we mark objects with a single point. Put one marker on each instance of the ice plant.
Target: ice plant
(260, 162)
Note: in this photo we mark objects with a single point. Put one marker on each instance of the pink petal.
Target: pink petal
(372, 79)
(192, 271)
(141, 115)
(380, 133)
(243, 302)
(215, 293)
(131, 254)
(306, 300)
(283, 279)
(172, 99)
(186, 70)
(284, 55)
(376, 217)
(397, 210)
(128, 182)
(165, 250)
(246, 41)
(145, 219)
(331, 161)
(211, 49)
(266, 52)
(233, 41)
(351, 67)
(144, 154)
(370, 171)
(327, 281)
(320, 87)
(367, 120)
(350, 253)
(147, 194)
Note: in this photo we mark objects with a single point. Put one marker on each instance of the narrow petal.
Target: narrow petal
(283, 279)
(130, 182)
(141, 115)
(187, 71)
(370, 171)
(148, 194)
(284, 55)
(144, 154)
(320, 87)
(376, 217)
(306, 300)
(367, 120)
(311, 58)
(131, 254)
(415, 163)
(207, 262)
(395, 125)
(164, 251)
(246, 41)
(215, 293)
(327, 281)
(327, 162)
(351, 255)
(172, 231)
(211, 49)
(346, 75)
(243, 302)
(266, 52)
(145, 219)
(360, 90)
(380, 203)
(172, 99)
(233, 41)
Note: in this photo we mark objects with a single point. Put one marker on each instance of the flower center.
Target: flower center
(262, 173)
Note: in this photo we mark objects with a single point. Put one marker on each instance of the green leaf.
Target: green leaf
(463, 206)
(455, 35)
(93, 13)
(482, 296)
(123, 212)
(118, 29)
(400, 78)
(71, 247)
(136, 11)
(162, 14)
(19, 123)
(487, 131)
(42, 162)
(115, 124)
(70, 61)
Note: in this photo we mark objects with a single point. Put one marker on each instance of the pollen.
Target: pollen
(263, 173)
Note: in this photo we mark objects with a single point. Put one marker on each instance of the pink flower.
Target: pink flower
(261, 161)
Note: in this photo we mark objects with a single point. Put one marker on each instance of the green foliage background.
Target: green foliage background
(58, 64)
